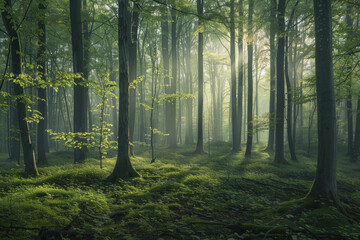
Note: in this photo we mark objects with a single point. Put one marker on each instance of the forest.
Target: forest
(179, 119)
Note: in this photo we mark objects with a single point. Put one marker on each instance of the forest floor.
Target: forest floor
(221, 195)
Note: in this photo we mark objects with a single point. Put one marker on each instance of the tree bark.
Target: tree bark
(132, 72)
(280, 103)
(165, 56)
(240, 71)
(270, 146)
(28, 151)
(289, 105)
(200, 140)
(189, 137)
(324, 186)
(80, 97)
(234, 120)
(42, 141)
(87, 35)
(174, 71)
(250, 82)
(123, 167)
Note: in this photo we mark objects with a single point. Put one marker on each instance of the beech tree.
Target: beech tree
(250, 129)
(80, 100)
(324, 185)
(200, 139)
(123, 167)
(41, 58)
(14, 37)
(280, 87)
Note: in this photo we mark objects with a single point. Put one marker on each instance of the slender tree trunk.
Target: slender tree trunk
(240, 70)
(41, 57)
(123, 167)
(174, 70)
(132, 72)
(28, 151)
(272, 122)
(200, 140)
(257, 90)
(289, 105)
(280, 103)
(324, 185)
(80, 96)
(234, 117)
(165, 55)
(349, 108)
(250, 82)
(189, 137)
(87, 36)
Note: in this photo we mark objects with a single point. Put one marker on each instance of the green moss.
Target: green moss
(178, 189)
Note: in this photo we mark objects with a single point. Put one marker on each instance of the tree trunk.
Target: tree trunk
(189, 137)
(200, 140)
(250, 82)
(324, 186)
(349, 23)
(132, 72)
(240, 70)
(280, 103)
(272, 122)
(289, 105)
(28, 151)
(41, 57)
(123, 167)
(172, 123)
(165, 56)
(234, 121)
(80, 96)
(87, 35)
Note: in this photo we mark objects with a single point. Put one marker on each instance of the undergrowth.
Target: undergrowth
(220, 195)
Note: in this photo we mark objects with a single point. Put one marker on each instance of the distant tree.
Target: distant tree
(250, 80)
(123, 167)
(14, 37)
(174, 71)
(270, 146)
(166, 65)
(133, 70)
(200, 139)
(240, 71)
(80, 101)
(234, 117)
(324, 185)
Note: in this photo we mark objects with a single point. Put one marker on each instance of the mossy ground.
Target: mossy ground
(181, 196)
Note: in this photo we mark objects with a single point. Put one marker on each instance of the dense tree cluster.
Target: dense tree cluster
(168, 72)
